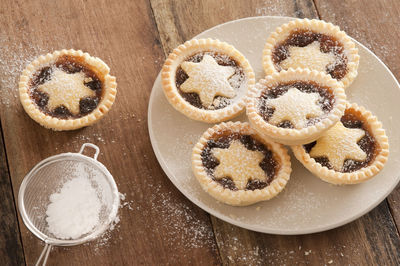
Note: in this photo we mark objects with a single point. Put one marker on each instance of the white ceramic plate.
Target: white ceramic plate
(307, 204)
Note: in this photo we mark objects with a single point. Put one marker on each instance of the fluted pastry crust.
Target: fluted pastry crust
(190, 48)
(318, 26)
(48, 121)
(291, 136)
(240, 197)
(361, 175)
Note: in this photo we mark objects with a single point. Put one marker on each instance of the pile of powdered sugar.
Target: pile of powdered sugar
(74, 210)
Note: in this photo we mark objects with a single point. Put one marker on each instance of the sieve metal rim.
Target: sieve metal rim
(91, 236)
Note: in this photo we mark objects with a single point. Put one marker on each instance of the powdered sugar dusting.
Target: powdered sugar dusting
(83, 202)
(180, 226)
(239, 163)
(296, 107)
(12, 61)
(75, 210)
(216, 78)
(338, 144)
(196, 233)
(104, 240)
(268, 9)
(253, 253)
(66, 89)
(309, 56)
(208, 79)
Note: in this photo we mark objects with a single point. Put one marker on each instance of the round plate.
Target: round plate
(307, 204)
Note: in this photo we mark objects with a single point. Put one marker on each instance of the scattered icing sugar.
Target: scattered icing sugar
(104, 240)
(276, 255)
(74, 210)
(277, 9)
(14, 57)
(195, 234)
(18, 61)
(179, 222)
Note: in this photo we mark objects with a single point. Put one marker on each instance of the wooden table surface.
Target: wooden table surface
(158, 224)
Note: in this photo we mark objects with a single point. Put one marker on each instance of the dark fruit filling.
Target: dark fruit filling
(68, 64)
(326, 99)
(235, 80)
(223, 140)
(352, 119)
(328, 44)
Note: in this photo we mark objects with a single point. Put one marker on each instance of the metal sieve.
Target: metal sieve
(47, 177)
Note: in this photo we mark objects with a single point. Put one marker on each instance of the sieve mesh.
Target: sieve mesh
(49, 176)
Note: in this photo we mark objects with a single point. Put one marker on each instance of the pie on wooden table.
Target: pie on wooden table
(236, 166)
(207, 80)
(67, 89)
(352, 151)
(295, 106)
(313, 44)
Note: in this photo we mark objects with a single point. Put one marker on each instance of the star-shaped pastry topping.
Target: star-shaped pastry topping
(338, 144)
(309, 56)
(208, 79)
(239, 163)
(66, 89)
(295, 106)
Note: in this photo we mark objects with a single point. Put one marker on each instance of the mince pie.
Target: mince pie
(67, 90)
(295, 106)
(312, 44)
(237, 167)
(207, 80)
(352, 151)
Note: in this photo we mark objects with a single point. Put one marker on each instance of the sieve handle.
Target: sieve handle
(91, 146)
(45, 253)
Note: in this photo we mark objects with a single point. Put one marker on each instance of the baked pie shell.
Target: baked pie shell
(96, 64)
(240, 197)
(179, 55)
(282, 33)
(361, 175)
(290, 136)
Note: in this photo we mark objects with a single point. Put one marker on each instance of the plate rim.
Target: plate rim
(228, 219)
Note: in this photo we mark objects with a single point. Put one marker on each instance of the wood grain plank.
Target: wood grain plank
(373, 24)
(368, 240)
(11, 250)
(179, 21)
(358, 243)
(158, 225)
